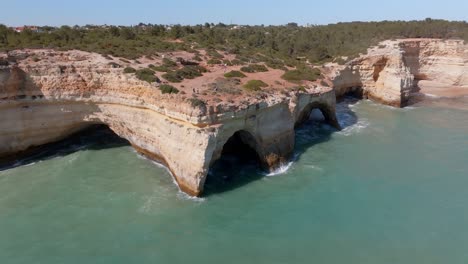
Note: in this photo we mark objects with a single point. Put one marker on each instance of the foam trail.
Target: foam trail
(281, 170)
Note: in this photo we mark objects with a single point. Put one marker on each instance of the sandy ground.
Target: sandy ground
(441, 90)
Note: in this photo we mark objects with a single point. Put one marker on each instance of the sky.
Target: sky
(253, 12)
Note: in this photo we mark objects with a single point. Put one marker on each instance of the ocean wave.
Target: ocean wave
(281, 170)
(354, 129)
(184, 196)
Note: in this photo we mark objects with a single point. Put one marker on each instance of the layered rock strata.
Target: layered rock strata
(391, 71)
(44, 102)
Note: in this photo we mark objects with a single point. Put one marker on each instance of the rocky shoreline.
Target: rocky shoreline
(47, 95)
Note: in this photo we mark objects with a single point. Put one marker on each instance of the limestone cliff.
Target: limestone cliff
(47, 95)
(391, 71)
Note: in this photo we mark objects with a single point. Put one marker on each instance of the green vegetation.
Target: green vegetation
(129, 70)
(302, 74)
(234, 74)
(195, 102)
(187, 72)
(168, 89)
(286, 43)
(197, 58)
(214, 61)
(146, 75)
(214, 54)
(169, 63)
(254, 85)
(254, 68)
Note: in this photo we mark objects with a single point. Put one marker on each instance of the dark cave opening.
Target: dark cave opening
(93, 137)
(238, 165)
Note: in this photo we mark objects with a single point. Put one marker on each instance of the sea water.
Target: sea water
(391, 187)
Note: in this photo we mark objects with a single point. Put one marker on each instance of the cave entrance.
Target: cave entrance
(238, 165)
(354, 92)
(317, 113)
(93, 137)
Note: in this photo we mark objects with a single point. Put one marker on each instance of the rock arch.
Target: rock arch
(327, 111)
(325, 103)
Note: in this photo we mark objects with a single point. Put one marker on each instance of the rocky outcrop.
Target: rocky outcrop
(391, 71)
(45, 96)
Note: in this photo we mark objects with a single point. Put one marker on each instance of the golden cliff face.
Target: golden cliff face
(64, 92)
(47, 95)
(390, 72)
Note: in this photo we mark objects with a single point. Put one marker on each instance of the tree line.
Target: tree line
(318, 43)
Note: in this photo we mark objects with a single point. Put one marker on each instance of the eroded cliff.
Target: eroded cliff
(393, 70)
(47, 95)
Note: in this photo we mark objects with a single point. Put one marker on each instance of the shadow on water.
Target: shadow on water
(95, 137)
(240, 167)
(315, 130)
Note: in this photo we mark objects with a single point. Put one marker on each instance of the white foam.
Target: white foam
(184, 196)
(281, 170)
(354, 129)
(29, 164)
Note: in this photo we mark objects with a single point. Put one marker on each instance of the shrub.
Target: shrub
(190, 72)
(214, 54)
(340, 61)
(247, 69)
(146, 75)
(214, 61)
(234, 74)
(167, 62)
(237, 62)
(254, 85)
(173, 76)
(259, 67)
(195, 102)
(187, 72)
(168, 89)
(129, 70)
(188, 62)
(254, 68)
(276, 64)
(301, 74)
(227, 62)
(197, 58)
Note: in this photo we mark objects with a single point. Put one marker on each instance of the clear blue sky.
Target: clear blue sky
(268, 12)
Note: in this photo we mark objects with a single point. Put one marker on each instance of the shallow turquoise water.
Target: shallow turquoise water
(390, 188)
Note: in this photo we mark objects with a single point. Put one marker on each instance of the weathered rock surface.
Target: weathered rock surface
(45, 101)
(46, 95)
(390, 72)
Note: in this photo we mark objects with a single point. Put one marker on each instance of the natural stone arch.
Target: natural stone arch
(327, 111)
(241, 145)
